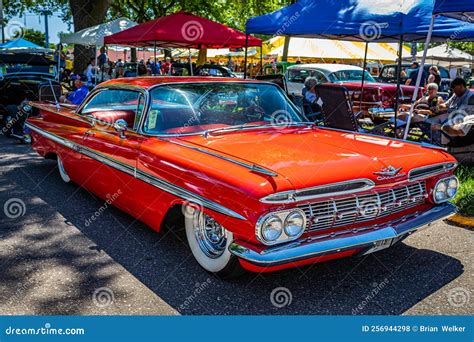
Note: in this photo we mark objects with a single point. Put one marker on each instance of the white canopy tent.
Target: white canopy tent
(446, 56)
(94, 36)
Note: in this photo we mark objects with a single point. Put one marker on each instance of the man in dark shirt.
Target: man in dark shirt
(414, 75)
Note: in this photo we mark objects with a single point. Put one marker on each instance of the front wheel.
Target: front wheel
(209, 242)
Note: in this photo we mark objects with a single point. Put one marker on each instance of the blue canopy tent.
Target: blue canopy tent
(19, 43)
(361, 20)
(458, 9)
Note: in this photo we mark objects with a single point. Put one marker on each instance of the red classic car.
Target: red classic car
(376, 95)
(259, 187)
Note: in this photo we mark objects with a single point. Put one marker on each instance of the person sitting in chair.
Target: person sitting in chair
(456, 120)
(78, 95)
(309, 96)
(427, 106)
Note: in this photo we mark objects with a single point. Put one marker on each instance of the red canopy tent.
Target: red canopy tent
(182, 30)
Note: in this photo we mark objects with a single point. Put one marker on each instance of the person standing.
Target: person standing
(414, 75)
(434, 76)
(91, 72)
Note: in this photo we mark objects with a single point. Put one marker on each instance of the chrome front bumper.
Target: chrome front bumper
(366, 240)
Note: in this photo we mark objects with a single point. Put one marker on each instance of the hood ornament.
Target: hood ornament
(389, 172)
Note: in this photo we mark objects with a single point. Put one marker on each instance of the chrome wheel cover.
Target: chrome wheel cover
(210, 235)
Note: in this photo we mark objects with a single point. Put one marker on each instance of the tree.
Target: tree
(31, 35)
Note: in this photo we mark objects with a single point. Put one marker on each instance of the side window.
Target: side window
(444, 73)
(319, 76)
(110, 105)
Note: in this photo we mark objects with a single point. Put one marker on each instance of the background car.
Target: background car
(388, 74)
(22, 75)
(215, 70)
(375, 95)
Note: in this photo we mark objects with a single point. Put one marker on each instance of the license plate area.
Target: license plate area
(380, 245)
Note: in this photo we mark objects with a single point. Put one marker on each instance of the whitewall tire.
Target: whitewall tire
(209, 243)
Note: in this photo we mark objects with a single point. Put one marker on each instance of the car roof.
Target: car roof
(325, 67)
(147, 82)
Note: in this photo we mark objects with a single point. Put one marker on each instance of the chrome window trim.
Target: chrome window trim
(97, 90)
(143, 176)
(293, 194)
(445, 167)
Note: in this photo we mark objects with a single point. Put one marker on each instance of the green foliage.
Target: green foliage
(465, 197)
(33, 36)
(233, 13)
(18, 7)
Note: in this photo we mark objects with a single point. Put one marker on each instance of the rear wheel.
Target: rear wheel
(209, 242)
(62, 171)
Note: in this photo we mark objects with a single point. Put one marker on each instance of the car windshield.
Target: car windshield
(192, 108)
(350, 76)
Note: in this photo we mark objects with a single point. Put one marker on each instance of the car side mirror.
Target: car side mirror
(121, 127)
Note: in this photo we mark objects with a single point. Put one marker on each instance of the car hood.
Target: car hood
(315, 156)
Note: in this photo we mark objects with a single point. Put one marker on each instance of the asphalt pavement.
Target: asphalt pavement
(55, 260)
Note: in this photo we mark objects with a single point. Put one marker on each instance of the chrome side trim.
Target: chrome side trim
(364, 239)
(293, 195)
(143, 176)
(438, 169)
(251, 167)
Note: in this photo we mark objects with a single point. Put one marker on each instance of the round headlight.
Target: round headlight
(452, 187)
(294, 224)
(271, 228)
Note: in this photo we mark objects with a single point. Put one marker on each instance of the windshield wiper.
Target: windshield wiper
(248, 127)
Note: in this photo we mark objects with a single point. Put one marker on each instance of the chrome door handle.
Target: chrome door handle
(89, 133)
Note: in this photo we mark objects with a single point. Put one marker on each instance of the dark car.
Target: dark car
(182, 69)
(22, 75)
(388, 74)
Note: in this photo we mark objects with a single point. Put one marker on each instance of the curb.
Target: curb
(462, 220)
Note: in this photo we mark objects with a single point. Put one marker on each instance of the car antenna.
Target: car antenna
(54, 94)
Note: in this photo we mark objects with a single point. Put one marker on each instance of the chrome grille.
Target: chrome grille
(363, 208)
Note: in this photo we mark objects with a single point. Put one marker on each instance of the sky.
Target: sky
(33, 21)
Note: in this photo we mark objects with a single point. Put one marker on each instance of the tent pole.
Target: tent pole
(95, 71)
(418, 78)
(363, 75)
(190, 63)
(399, 72)
(245, 58)
(60, 49)
(154, 59)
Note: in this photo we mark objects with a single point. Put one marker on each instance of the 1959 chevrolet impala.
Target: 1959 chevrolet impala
(259, 187)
